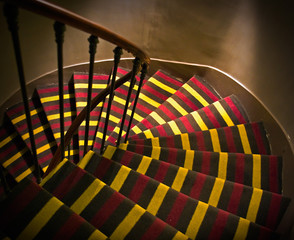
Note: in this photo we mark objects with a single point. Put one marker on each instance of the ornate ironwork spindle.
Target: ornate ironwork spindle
(11, 14)
(100, 113)
(142, 77)
(136, 64)
(59, 29)
(117, 53)
(93, 40)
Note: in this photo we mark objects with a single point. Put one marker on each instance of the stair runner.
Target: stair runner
(193, 167)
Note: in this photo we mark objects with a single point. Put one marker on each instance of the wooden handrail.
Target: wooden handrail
(80, 118)
(69, 18)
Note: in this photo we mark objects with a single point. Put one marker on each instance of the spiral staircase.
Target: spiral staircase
(156, 157)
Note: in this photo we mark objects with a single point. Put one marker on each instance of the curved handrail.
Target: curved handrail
(80, 118)
(67, 17)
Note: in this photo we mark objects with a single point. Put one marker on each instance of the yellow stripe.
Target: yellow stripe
(15, 157)
(155, 142)
(84, 104)
(97, 235)
(256, 177)
(45, 147)
(82, 142)
(189, 159)
(136, 130)
(59, 166)
(244, 139)
(120, 178)
(155, 154)
(36, 131)
(162, 86)
(185, 141)
(195, 94)
(222, 165)
(83, 163)
(136, 115)
(25, 174)
(215, 140)
(199, 121)
(157, 118)
(177, 106)
(180, 236)
(57, 116)
(87, 196)
(41, 219)
(157, 199)
(254, 204)
(85, 85)
(216, 192)
(242, 229)
(119, 100)
(196, 220)
(110, 150)
(56, 98)
(91, 123)
(128, 223)
(179, 179)
(111, 117)
(149, 100)
(223, 113)
(148, 134)
(8, 139)
(144, 165)
(23, 116)
(174, 127)
(123, 146)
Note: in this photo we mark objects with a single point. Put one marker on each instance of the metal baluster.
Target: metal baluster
(136, 64)
(11, 14)
(143, 74)
(59, 29)
(117, 53)
(4, 181)
(93, 40)
(100, 113)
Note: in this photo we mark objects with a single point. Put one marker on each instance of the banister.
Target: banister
(69, 18)
(80, 118)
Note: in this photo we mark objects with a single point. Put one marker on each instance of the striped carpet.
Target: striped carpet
(193, 167)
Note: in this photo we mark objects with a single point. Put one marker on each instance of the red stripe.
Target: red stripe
(106, 210)
(205, 166)
(273, 174)
(161, 131)
(57, 125)
(240, 168)
(143, 108)
(235, 198)
(230, 139)
(211, 117)
(186, 100)
(200, 143)
(265, 233)
(161, 171)
(48, 108)
(169, 79)
(167, 112)
(154, 231)
(6, 151)
(102, 168)
(111, 139)
(86, 76)
(172, 156)
(177, 209)
(65, 186)
(122, 71)
(187, 124)
(139, 149)
(154, 92)
(19, 203)
(219, 225)
(273, 212)
(170, 141)
(197, 186)
(125, 93)
(138, 188)
(205, 89)
(146, 123)
(235, 110)
(126, 158)
(68, 229)
(258, 138)
(44, 161)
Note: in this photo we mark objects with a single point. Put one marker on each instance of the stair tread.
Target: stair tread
(153, 93)
(135, 172)
(239, 167)
(31, 212)
(242, 138)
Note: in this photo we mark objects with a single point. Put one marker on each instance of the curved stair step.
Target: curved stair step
(135, 178)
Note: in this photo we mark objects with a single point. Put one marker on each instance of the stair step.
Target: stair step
(239, 167)
(191, 96)
(132, 177)
(247, 138)
(107, 210)
(154, 92)
(29, 212)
